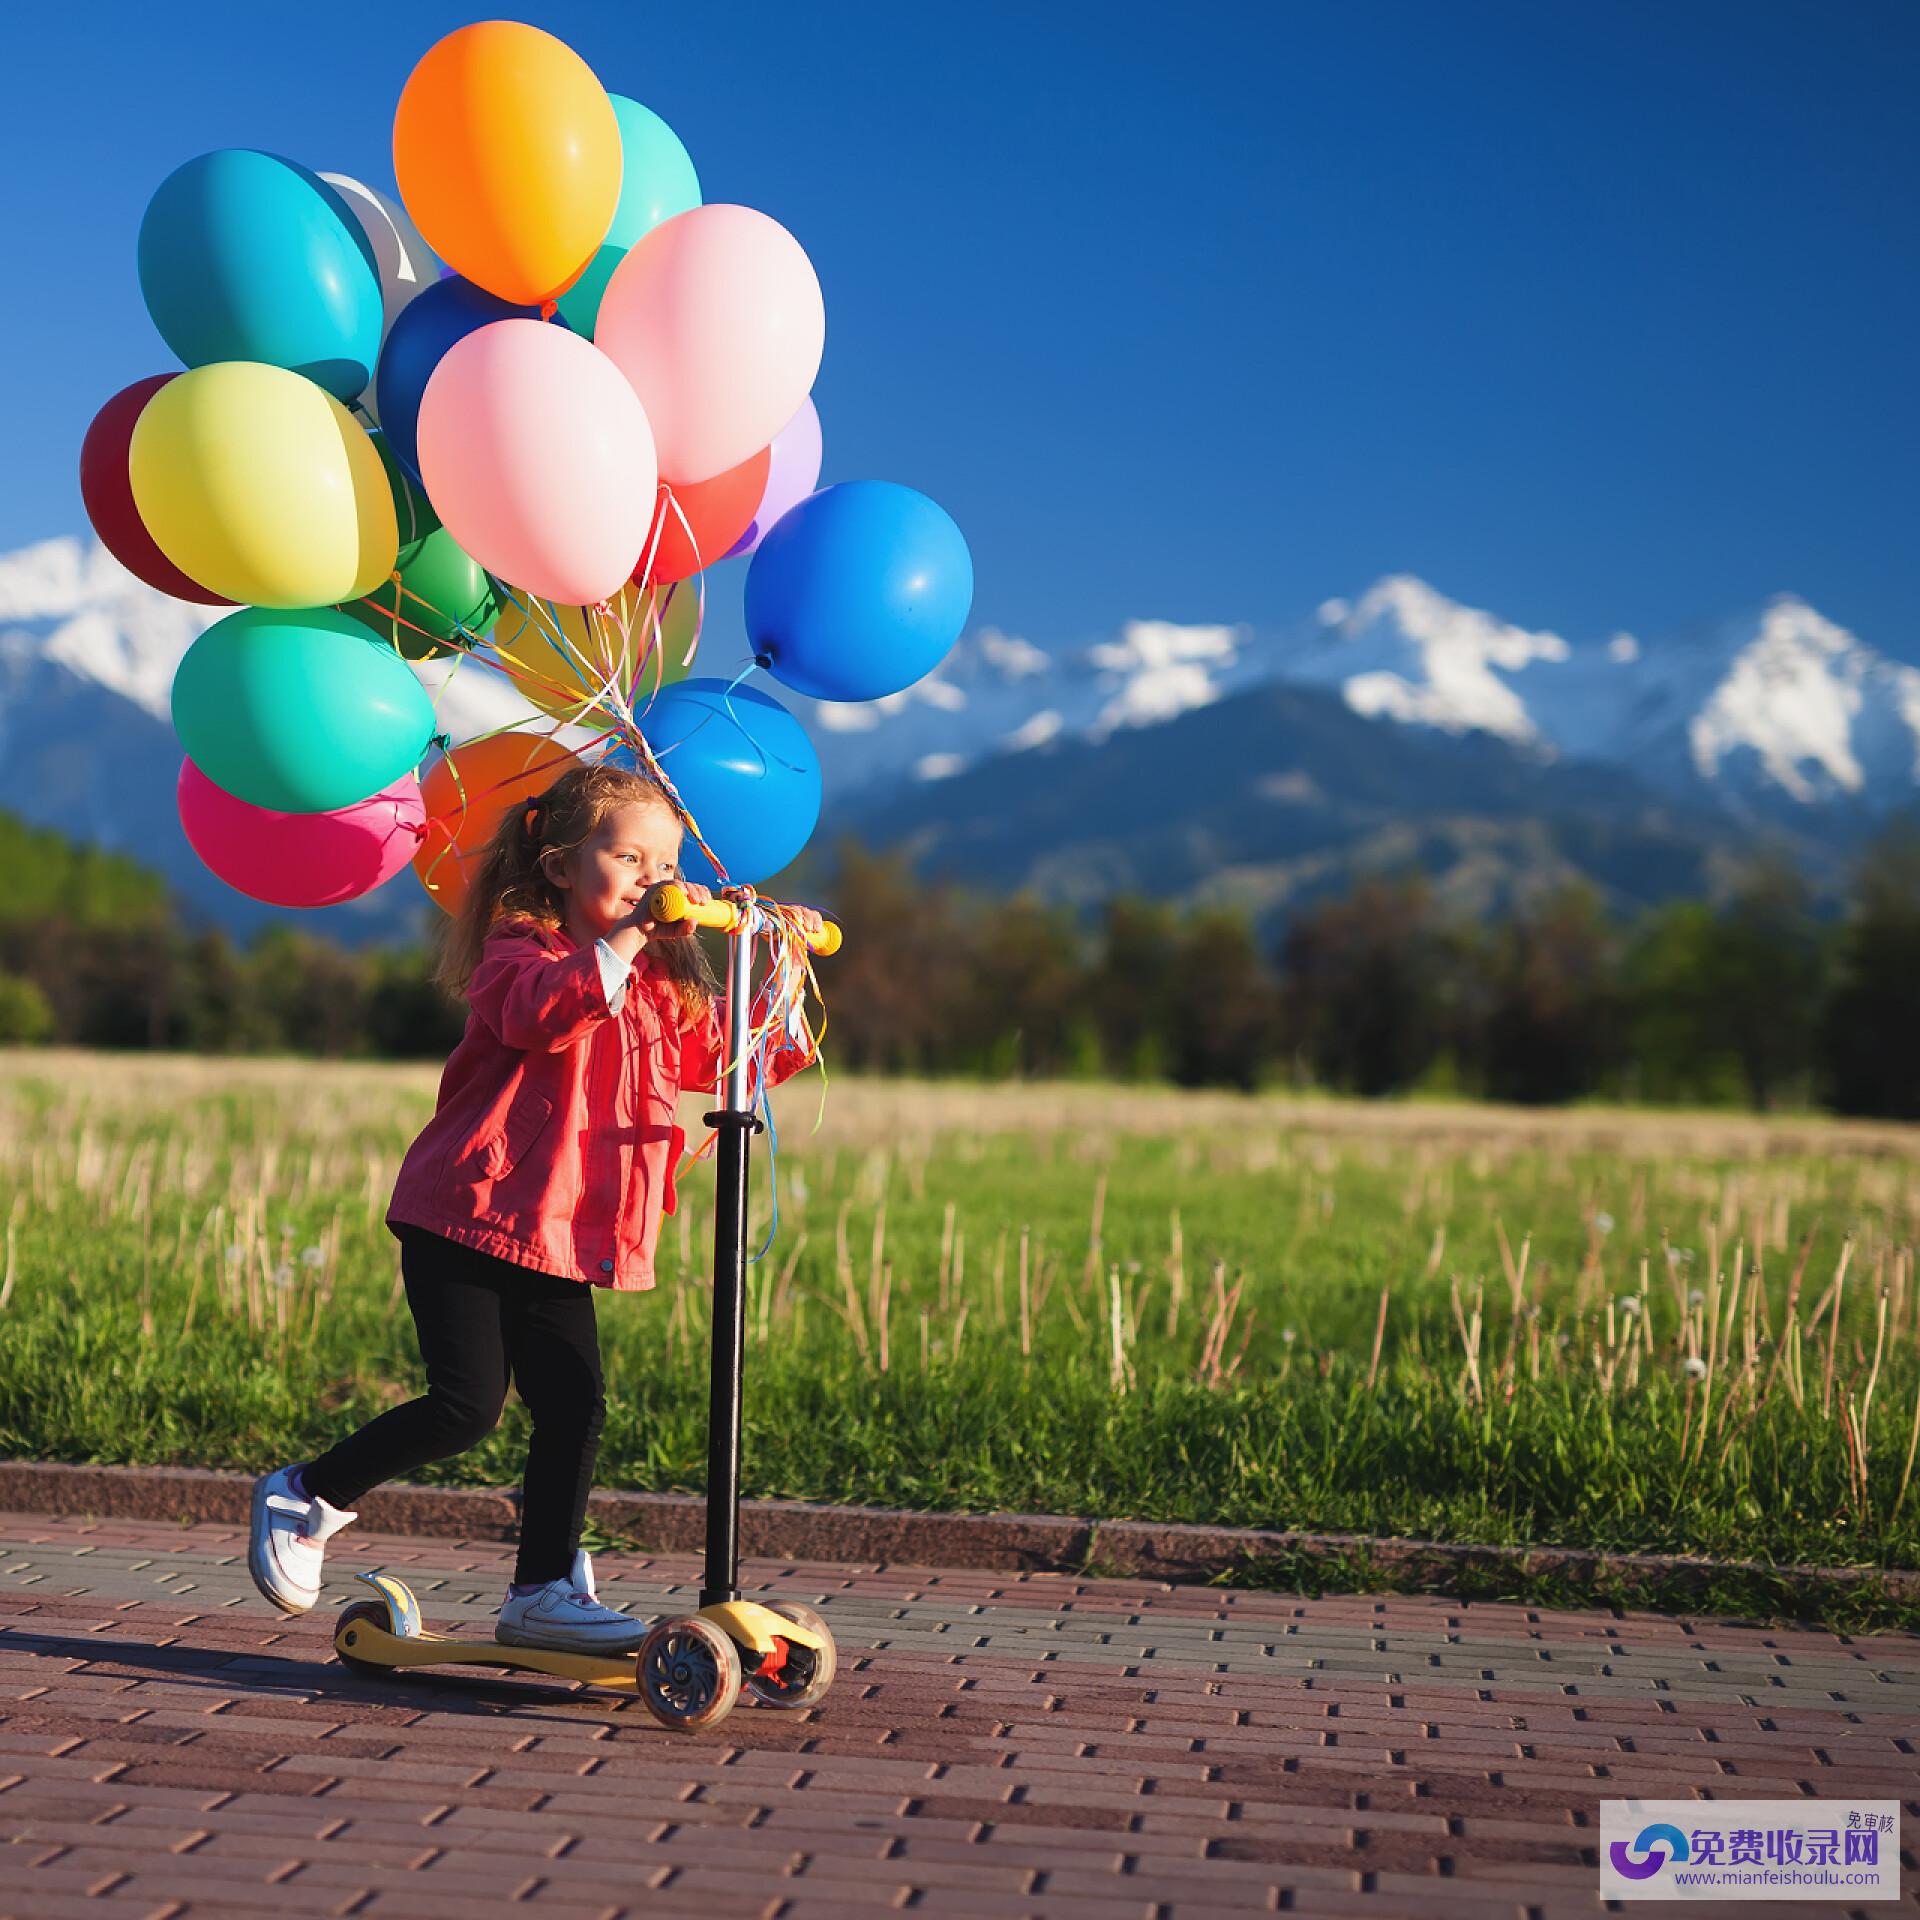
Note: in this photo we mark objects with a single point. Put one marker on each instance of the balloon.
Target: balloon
(561, 677)
(400, 257)
(694, 525)
(245, 256)
(744, 769)
(301, 859)
(508, 155)
(107, 491)
(466, 792)
(657, 181)
(305, 711)
(444, 600)
(715, 317)
(449, 310)
(262, 487)
(859, 591)
(792, 475)
(539, 459)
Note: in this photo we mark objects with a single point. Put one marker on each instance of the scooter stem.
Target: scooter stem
(736, 1125)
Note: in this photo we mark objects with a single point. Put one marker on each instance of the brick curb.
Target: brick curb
(793, 1530)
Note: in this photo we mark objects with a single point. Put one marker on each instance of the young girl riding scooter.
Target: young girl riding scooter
(542, 1175)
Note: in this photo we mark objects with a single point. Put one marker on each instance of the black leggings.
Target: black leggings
(481, 1320)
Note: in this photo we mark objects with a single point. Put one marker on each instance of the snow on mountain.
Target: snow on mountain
(1405, 652)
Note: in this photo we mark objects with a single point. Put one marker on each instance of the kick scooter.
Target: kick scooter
(690, 1669)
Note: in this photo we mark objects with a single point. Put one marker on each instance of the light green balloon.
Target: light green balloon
(301, 710)
(657, 181)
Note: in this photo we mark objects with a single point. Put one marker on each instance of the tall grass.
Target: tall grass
(1598, 1329)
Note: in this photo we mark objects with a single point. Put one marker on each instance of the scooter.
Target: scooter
(691, 1669)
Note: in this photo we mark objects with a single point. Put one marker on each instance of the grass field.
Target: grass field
(1619, 1330)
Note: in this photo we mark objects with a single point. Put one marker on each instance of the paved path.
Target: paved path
(996, 1745)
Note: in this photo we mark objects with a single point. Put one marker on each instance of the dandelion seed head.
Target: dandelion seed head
(1629, 1303)
(1695, 1298)
(312, 1257)
(1604, 1222)
(1694, 1367)
(1287, 1334)
(283, 1275)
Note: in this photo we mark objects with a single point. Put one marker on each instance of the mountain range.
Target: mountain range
(1395, 728)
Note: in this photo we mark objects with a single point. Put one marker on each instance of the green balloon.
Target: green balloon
(657, 181)
(300, 710)
(444, 599)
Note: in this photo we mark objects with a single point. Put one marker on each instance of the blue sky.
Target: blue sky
(1599, 315)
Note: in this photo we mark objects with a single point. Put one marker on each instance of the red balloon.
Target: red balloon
(694, 525)
(108, 495)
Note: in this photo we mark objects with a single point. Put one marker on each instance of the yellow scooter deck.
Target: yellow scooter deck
(361, 1640)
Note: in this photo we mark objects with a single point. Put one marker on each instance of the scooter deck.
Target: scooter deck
(363, 1640)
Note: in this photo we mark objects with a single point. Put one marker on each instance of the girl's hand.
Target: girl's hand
(811, 923)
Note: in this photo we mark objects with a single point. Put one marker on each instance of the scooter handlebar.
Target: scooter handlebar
(668, 902)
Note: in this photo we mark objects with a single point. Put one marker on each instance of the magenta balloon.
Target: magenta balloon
(538, 458)
(792, 474)
(716, 318)
(302, 859)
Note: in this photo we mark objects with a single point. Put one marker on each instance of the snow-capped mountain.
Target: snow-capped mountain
(1780, 716)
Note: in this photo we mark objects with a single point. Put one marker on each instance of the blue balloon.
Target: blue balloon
(858, 591)
(427, 326)
(245, 256)
(744, 768)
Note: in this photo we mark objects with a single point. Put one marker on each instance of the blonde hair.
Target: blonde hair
(512, 884)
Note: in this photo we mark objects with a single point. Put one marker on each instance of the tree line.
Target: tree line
(1754, 999)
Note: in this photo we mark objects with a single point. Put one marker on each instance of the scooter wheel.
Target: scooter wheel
(361, 1612)
(689, 1674)
(805, 1675)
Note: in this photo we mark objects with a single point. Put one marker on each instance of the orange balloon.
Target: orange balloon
(466, 794)
(695, 523)
(508, 157)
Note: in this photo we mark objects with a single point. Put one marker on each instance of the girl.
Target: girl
(542, 1175)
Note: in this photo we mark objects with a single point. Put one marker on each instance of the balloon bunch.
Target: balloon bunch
(512, 418)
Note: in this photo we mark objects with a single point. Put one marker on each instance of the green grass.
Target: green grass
(196, 1272)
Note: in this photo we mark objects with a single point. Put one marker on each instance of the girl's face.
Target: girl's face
(607, 876)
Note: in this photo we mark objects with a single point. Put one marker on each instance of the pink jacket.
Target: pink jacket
(554, 1143)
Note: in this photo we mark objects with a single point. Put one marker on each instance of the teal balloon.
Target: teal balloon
(245, 256)
(306, 712)
(657, 181)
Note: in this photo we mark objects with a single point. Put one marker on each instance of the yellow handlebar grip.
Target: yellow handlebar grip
(829, 940)
(668, 902)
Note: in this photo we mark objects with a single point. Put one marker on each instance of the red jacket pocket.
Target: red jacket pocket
(525, 1120)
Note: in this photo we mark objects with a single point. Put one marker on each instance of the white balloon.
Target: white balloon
(407, 265)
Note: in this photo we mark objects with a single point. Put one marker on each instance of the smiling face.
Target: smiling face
(607, 876)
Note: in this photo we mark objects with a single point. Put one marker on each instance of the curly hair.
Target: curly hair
(512, 883)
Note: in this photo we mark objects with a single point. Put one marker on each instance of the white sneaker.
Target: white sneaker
(289, 1541)
(565, 1617)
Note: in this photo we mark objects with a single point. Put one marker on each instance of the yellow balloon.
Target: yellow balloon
(263, 487)
(563, 677)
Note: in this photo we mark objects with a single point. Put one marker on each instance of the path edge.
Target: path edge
(882, 1536)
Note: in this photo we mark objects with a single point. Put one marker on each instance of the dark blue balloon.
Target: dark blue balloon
(858, 591)
(745, 770)
(245, 256)
(428, 325)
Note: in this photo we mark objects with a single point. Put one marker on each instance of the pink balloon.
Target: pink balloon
(302, 859)
(715, 316)
(537, 455)
(792, 474)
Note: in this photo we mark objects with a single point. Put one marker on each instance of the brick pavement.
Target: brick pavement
(996, 1745)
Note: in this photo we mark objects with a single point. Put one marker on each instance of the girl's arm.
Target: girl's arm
(535, 999)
